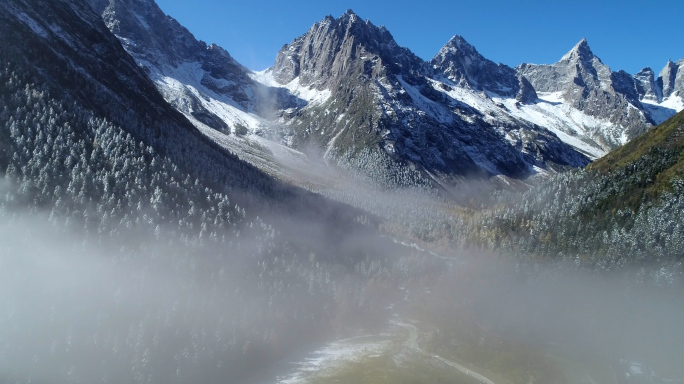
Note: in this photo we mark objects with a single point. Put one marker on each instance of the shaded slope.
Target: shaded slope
(386, 111)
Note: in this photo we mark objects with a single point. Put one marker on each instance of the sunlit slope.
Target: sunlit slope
(660, 150)
(647, 165)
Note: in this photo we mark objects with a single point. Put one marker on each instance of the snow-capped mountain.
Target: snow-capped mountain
(665, 96)
(463, 65)
(202, 81)
(347, 88)
(386, 108)
(64, 50)
(587, 85)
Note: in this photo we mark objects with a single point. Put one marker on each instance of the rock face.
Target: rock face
(588, 85)
(671, 79)
(68, 51)
(67, 38)
(462, 64)
(331, 51)
(646, 86)
(188, 72)
(390, 107)
(347, 87)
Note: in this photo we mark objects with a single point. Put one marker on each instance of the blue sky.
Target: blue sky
(626, 34)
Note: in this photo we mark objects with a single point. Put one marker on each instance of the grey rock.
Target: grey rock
(161, 45)
(335, 49)
(462, 64)
(671, 79)
(646, 86)
(526, 93)
(591, 87)
(386, 104)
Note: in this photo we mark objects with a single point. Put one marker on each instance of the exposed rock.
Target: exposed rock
(646, 86)
(590, 86)
(461, 63)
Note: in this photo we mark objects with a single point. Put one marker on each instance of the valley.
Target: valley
(352, 214)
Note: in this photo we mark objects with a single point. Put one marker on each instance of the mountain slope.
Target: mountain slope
(68, 56)
(659, 153)
(463, 65)
(624, 210)
(386, 105)
(348, 90)
(202, 81)
(587, 85)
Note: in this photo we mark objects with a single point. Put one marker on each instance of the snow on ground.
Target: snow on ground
(436, 111)
(336, 354)
(665, 109)
(570, 125)
(186, 79)
(273, 158)
(309, 94)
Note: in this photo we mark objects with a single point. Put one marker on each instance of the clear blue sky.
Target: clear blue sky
(626, 34)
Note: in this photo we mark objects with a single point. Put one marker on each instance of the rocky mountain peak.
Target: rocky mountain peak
(336, 47)
(646, 86)
(461, 63)
(668, 77)
(590, 86)
(646, 71)
(166, 49)
(580, 52)
(349, 15)
(458, 42)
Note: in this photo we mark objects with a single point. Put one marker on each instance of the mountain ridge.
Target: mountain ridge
(347, 87)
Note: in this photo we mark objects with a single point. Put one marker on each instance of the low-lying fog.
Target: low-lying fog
(73, 310)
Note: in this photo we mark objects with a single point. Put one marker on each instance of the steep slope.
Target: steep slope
(346, 88)
(202, 81)
(662, 97)
(646, 86)
(69, 52)
(386, 109)
(671, 79)
(585, 84)
(114, 207)
(463, 65)
(624, 210)
(659, 152)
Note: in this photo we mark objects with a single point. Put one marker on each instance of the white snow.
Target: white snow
(570, 125)
(336, 354)
(185, 79)
(665, 109)
(309, 94)
(436, 111)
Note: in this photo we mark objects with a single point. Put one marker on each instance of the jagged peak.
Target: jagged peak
(457, 44)
(645, 71)
(580, 51)
(349, 16)
(672, 65)
(669, 69)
